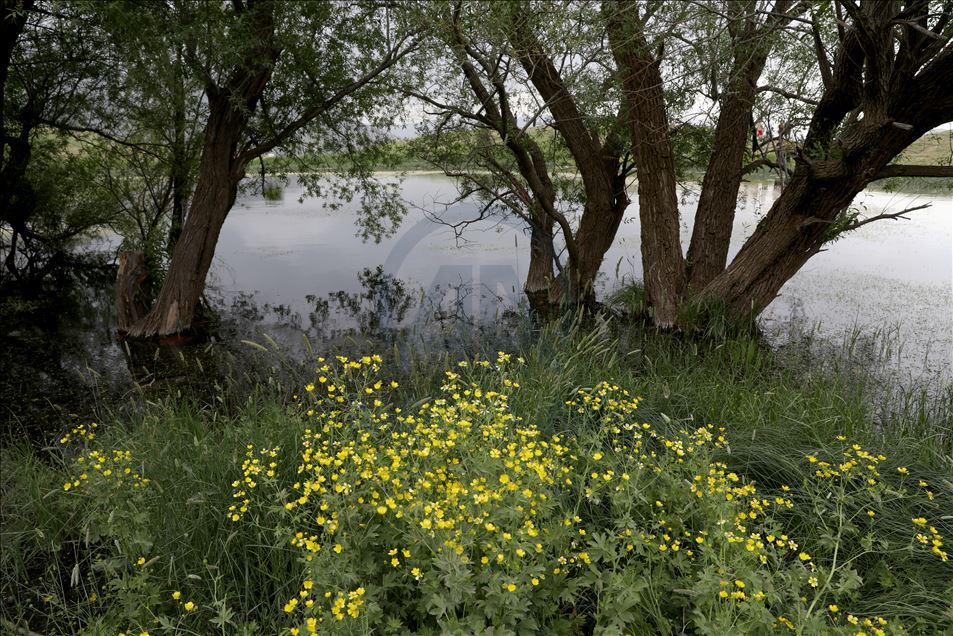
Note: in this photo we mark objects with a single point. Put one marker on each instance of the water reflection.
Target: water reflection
(291, 275)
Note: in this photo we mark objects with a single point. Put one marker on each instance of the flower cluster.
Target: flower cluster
(456, 514)
(113, 469)
(459, 503)
(80, 433)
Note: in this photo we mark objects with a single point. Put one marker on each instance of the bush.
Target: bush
(348, 514)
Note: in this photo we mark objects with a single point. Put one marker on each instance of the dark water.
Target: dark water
(293, 278)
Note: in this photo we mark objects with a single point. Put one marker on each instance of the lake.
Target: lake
(892, 277)
(291, 267)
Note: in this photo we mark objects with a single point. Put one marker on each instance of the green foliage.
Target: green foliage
(630, 515)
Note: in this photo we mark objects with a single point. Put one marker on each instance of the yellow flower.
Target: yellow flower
(510, 587)
(189, 606)
(804, 556)
(833, 608)
(903, 470)
(141, 561)
(176, 595)
(597, 456)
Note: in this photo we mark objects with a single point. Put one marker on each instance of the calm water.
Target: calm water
(891, 277)
(291, 267)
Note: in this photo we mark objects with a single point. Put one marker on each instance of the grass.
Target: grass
(933, 149)
(776, 410)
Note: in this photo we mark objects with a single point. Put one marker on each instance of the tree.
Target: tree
(276, 75)
(527, 110)
(884, 70)
(50, 72)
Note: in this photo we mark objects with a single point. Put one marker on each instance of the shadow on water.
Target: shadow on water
(63, 362)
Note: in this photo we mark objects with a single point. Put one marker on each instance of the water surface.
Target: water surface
(893, 277)
(295, 268)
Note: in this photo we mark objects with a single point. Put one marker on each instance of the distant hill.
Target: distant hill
(932, 149)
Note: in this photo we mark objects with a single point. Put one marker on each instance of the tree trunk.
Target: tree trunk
(132, 302)
(174, 310)
(539, 277)
(597, 229)
(715, 215)
(215, 192)
(662, 261)
(598, 164)
(795, 229)
(219, 173)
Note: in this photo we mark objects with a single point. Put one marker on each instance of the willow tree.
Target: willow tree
(51, 72)
(881, 80)
(277, 76)
(518, 118)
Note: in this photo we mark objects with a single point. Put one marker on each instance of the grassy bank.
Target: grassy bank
(529, 491)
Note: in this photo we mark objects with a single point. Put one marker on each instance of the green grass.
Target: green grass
(933, 149)
(775, 412)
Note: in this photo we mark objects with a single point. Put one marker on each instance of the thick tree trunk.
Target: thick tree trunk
(174, 310)
(715, 215)
(598, 164)
(662, 260)
(795, 229)
(597, 229)
(539, 277)
(215, 193)
(220, 171)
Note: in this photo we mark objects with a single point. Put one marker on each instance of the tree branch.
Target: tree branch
(788, 94)
(897, 170)
(880, 217)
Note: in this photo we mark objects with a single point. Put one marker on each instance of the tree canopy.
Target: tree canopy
(550, 112)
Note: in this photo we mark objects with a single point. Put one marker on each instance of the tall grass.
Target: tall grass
(775, 411)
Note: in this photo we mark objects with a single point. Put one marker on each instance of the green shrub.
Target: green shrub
(463, 513)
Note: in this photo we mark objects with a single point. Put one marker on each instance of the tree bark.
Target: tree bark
(902, 94)
(662, 260)
(132, 302)
(539, 276)
(598, 163)
(715, 214)
(215, 192)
